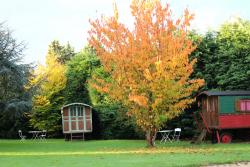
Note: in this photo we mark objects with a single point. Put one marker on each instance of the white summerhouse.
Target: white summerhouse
(76, 119)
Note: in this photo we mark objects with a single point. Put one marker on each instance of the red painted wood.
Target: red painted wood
(73, 125)
(80, 125)
(87, 111)
(66, 112)
(234, 121)
(66, 126)
(88, 125)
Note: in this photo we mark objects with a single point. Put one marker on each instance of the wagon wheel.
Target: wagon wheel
(226, 138)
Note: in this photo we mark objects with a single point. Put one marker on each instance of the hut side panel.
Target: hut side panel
(66, 119)
(88, 119)
(232, 121)
(228, 104)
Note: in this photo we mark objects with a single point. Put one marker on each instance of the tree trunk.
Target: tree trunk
(150, 137)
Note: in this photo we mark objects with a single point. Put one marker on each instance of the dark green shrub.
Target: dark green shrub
(111, 122)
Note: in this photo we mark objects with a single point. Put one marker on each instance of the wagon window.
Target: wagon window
(243, 105)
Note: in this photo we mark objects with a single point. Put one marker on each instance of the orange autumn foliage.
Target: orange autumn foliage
(149, 65)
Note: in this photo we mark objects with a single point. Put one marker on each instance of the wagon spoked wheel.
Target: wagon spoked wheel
(226, 138)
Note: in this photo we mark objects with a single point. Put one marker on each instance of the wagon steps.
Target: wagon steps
(199, 138)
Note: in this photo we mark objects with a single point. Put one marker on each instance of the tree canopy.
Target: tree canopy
(79, 70)
(149, 65)
(48, 82)
(223, 57)
(63, 53)
(14, 100)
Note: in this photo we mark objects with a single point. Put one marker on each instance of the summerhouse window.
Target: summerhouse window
(73, 111)
(80, 111)
(243, 105)
(76, 111)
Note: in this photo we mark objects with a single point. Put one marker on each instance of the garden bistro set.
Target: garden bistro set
(170, 135)
(36, 135)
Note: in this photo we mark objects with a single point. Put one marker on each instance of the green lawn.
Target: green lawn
(117, 153)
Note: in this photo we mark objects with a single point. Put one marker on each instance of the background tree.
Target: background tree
(233, 70)
(223, 57)
(48, 82)
(63, 53)
(206, 55)
(79, 70)
(149, 66)
(97, 97)
(14, 100)
(109, 116)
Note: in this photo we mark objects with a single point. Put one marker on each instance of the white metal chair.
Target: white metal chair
(21, 135)
(177, 134)
(43, 135)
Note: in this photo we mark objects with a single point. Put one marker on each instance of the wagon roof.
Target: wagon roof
(225, 93)
(71, 104)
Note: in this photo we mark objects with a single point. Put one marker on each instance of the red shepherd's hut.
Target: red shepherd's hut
(76, 120)
(225, 113)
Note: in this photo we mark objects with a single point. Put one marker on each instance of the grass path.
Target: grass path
(138, 151)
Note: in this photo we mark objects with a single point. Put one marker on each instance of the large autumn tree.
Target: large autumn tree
(149, 65)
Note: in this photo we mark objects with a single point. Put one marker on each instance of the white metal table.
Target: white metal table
(35, 134)
(165, 135)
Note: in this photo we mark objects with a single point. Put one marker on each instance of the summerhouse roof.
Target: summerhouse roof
(225, 93)
(71, 104)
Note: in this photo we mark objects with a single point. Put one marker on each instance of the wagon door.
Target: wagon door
(213, 111)
(210, 111)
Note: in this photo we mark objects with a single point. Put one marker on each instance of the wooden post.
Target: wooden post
(218, 136)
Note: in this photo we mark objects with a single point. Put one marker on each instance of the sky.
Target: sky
(39, 22)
